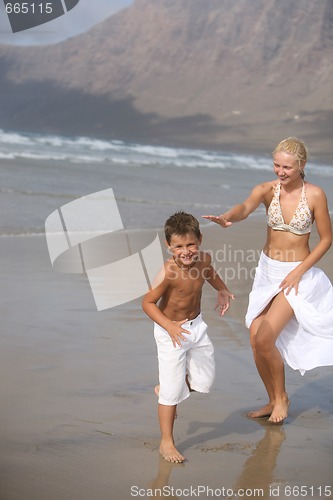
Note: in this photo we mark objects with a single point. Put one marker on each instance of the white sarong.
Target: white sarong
(306, 342)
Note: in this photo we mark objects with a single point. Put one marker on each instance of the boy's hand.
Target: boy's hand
(223, 301)
(176, 332)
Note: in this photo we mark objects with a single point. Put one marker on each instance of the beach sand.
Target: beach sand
(78, 410)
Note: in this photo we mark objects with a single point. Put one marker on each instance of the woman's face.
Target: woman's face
(286, 167)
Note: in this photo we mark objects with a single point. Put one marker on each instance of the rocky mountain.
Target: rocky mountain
(215, 73)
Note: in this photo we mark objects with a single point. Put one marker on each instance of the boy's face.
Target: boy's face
(185, 249)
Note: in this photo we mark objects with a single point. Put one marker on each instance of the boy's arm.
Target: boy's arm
(149, 305)
(223, 295)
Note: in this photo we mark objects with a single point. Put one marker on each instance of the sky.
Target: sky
(83, 16)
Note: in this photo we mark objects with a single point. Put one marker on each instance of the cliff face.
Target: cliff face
(190, 71)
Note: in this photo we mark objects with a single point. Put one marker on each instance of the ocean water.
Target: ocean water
(40, 173)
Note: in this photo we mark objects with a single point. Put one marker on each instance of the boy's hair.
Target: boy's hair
(180, 224)
(293, 146)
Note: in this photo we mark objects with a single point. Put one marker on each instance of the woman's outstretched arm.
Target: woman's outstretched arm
(242, 210)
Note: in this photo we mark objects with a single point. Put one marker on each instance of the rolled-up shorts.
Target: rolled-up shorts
(194, 359)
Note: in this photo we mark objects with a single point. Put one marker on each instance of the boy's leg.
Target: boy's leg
(166, 416)
(172, 390)
(201, 363)
(157, 392)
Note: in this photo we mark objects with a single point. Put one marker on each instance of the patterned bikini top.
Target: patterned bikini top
(301, 223)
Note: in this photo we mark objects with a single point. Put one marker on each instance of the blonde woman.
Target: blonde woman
(290, 312)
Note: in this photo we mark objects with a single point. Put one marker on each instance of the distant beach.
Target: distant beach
(79, 414)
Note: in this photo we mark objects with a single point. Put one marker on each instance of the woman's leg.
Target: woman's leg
(268, 359)
(265, 374)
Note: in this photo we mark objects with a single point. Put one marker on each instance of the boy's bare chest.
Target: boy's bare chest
(188, 284)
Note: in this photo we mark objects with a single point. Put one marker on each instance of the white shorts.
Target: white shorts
(194, 358)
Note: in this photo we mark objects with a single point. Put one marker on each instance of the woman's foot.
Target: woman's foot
(265, 411)
(280, 411)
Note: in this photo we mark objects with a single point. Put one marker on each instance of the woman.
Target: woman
(290, 313)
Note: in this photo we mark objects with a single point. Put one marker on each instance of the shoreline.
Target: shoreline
(229, 147)
(245, 138)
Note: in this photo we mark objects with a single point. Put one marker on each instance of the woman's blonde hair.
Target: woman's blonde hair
(294, 146)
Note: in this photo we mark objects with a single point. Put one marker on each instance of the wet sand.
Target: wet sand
(78, 413)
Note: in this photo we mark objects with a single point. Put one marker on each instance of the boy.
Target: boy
(185, 352)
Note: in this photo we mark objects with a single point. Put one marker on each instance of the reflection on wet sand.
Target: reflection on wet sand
(160, 485)
(258, 470)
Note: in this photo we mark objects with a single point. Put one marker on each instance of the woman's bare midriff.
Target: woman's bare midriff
(285, 246)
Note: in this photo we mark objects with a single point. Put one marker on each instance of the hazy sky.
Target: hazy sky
(82, 17)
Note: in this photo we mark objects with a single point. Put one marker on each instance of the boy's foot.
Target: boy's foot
(280, 412)
(171, 454)
(265, 411)
(157, 392)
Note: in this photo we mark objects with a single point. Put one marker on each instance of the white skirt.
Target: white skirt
(306, 342)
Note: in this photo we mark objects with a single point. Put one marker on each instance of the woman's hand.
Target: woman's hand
(291, 281)
(218, 219)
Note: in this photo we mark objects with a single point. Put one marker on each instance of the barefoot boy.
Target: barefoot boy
(185, 352)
